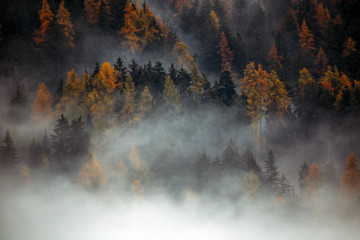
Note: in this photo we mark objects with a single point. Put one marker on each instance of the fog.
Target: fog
(58, 209)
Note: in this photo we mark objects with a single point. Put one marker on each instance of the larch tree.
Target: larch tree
(322, 16)
(321, 62)
(63, 21)
(42, 103)
(314, 181)
(92, 175)
(145, 105)
(109, 76)
(140, 170)
(252, 184)
(277, 101)
(306, 37)
(275, 59)
(8, 154)
(304, 81)
(46, 17)
(226, 55)
(129, 108)
(350, 181)
(171, 94)
(197, 87)
(183, 54)
(92, 10)
(349, 47)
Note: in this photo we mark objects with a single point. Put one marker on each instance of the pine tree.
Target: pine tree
(8, 154)
(285, 188)
(271, 174)
(225, 89)
(250, 163)
(18, 96)
(46, 17)
(231, 156)
(64, 23)
(303, 174)
(61, 143)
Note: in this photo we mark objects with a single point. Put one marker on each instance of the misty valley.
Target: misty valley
(179, 119)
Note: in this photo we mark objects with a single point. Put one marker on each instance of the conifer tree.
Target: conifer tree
(271, 174)
(64, 23)
(231, 156)
(128, 110)
(306, 37)
(313, 181)
(145, 105)
(46, 17)
(42, 103)
(226, 55)
(61, 143)
(303, 174)
(8, 153)
(202, 168)
(350, 181)
(35, 153)
(92, 175)
(171, 94)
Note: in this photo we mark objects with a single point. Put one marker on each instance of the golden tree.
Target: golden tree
(350, 181)
(91, 175)
(171, 94)
(314, 181)
(128, 110)
(252, 183)
(108, 76)
(183, 54)
(64, 22)
(42, 103)
(145, 105)
(46, 17)
(304, 80)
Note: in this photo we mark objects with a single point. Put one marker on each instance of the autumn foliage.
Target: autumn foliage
(46, 17)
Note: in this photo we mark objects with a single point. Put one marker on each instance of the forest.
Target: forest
(197, 111)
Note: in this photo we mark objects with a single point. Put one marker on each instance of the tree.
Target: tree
(349, 47)
(171, 94)
(92, 10)
(306, 37)
(108, 76)
(252, 184)
(330, 175)
(145, 105)
(277, 101)
(64, 23)
(46, 17)
(271, 174)
(202, 168)
(92, 175)
(313, 181)
(18, 96)
(350, 181)
(140, 170)
(231, 156)
(285, 188)
(42, 103)
(8, 154)
(322, 16)
(226, 55)
(128, 110)
(198, 84)
(321, 62)
(250, 163)
(225, 88)
(304, 80)
(61, 143)
(303, 174)
(275, 59)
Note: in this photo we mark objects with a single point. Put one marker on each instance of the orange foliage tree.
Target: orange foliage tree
(65, 24)
(92, 10)
(350, 182)
(322, 16)
(314, 180)
(42, 103)
(306, 37)
(321, 62)
(226, 55)
(46, 17)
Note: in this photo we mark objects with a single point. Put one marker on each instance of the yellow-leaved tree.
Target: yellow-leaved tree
(64, 23)
(42, 103)
(92, 175)
(46, 17)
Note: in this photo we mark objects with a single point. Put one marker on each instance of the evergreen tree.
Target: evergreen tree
(271, 174)
(8, 154)
(128, 110)
(303, 174)
(231, 156)
(250, 163)
(225, 88)
(61, 143)
(202, 168)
